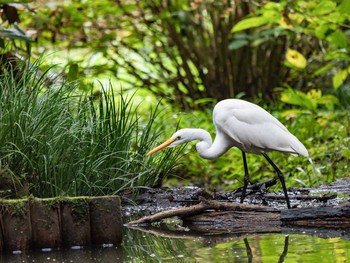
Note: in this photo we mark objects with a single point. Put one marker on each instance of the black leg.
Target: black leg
(285, 250)
(249, 250)
(246, 177)
(281, 177)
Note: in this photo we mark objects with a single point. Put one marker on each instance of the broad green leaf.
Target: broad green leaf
(337, 80)
(292, 113)
(344, 7)
(13, 34)
(337, 38)
(314, 94)
(324, 7)
(259, 41)
(335, 18)
(296, 18)
(346, 153)
(250, 23)
(237, 44)
(328, 99)
(242, 36)
(275, 32)
(339, 77)
(277, 7)
(283, 23)
(337, 54)
(321, 31)
(323, 69)
(73, 72)
(295, 97)
(295, 59)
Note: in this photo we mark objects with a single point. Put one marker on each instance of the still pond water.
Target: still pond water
(305, 246)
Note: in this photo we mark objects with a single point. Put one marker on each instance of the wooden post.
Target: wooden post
(15, 225)
(75, 222)
(54, 222)
(45, 220)
(106, 222)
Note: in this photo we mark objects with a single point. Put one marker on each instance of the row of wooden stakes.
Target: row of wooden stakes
(35, 223)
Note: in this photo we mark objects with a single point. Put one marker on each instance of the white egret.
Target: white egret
(246, 126)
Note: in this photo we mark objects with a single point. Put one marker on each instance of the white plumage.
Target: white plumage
(253, 130)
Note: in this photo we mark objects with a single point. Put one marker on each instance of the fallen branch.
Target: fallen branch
(201, 207)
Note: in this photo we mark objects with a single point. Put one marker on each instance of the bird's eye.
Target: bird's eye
(178, 138)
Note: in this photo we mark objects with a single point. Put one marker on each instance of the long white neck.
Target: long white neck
(206, 148)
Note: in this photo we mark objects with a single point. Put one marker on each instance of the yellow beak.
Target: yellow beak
(163, 145)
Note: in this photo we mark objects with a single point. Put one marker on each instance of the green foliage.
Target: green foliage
(318, 33)
(55, 141)
(182, 51)
(186, 51)
(310, 100)
(11, 34)
(269, 14)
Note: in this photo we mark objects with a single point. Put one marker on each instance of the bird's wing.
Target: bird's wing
(254, 130)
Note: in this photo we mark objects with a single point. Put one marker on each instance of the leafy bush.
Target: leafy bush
(317, 40)
(55, 141)
(13, 39)
(309, 101)
(182, 51)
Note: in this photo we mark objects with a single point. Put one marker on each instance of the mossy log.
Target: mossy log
(214, 216)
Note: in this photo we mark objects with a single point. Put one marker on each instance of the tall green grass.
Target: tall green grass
(55, 141)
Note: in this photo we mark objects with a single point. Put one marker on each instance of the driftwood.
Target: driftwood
(201, 207)
(214, 216)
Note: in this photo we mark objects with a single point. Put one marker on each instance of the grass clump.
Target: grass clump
(55, 141)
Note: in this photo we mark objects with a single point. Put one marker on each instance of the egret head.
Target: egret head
(179, 137)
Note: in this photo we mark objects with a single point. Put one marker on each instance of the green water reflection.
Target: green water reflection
(146, 247)
(140, 246)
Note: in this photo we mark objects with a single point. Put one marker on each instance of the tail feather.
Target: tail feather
(298, 147)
